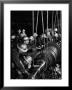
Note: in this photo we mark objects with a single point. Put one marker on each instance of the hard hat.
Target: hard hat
(23, 30)
(26, 38)
(35, 35)
(56, 34)
(43, 35)
(19, 31)
(22, 48)
(55, 29)
(13, 37)
(31, 38)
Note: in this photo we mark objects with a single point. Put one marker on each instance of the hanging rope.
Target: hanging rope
(37, 21)
(43, 25)
(57, 20)
(36, 25)
(42, 22)
(52, 20)
(33, 20)
(47, 25)
(60, 20)
(47, 20)
(33, 26)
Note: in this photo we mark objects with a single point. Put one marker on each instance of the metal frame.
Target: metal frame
(2, 31)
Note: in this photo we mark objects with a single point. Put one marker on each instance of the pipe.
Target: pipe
(43, 63)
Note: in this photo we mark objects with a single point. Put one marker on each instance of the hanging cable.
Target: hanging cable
(52, 20)
(37, 21)
(57, 20)
(47, 25)
(60, 20)
(52, 30)
(43, 25)
(36, 25)
(47, 20)
(42, 22)
(33, 20)
(33, 26)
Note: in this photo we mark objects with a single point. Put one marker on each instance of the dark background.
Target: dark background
(24, 19)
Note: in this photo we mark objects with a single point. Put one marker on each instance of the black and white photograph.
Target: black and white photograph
(36, 44)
